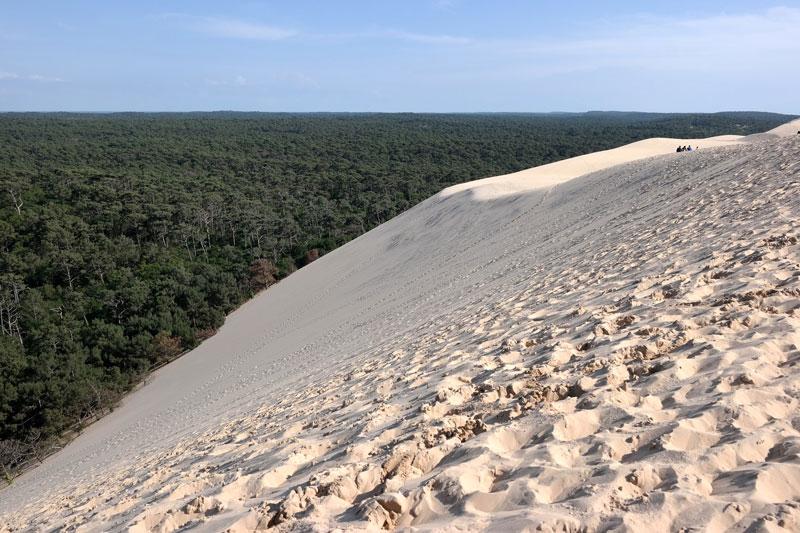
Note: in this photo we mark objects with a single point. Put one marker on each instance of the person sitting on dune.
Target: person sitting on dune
(680, 149)
(689, 148)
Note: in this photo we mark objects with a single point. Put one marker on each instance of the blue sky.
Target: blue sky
(411, 55)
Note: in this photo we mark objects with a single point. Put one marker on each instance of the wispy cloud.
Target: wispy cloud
(425, 38)
(236, 81)
(392, 34)
(231, 28)
(245, 29)
(65, 26)
(444, 4)
(13, 76)
(717, 43)
(722, 42)
(295, 79)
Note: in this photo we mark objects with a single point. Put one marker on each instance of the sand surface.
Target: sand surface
(618, 350)
(786, 130)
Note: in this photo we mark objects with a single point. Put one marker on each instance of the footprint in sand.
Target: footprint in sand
(693, 435)
(577, 425)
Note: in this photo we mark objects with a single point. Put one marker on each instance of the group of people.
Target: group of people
(685, 149)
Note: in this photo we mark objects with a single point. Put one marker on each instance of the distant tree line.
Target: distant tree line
(125, 239)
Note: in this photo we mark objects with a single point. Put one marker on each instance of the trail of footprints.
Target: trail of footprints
(531, 374)
(654, 371)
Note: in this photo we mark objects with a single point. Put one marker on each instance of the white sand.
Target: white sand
(786, 130)
(561, 171)
(615, 351)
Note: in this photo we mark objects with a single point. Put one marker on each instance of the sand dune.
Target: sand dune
(617, 350)
(561, 171)
(786, 130)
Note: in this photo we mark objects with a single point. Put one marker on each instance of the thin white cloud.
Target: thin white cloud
(426, 38)
(65, 26)
(295, 79)
(232, 28)
(13, 76)
(444, 4)
(236, 81)
(392, 35)
(46, 79)
(718, 43)
(243, 29)
(721, 42)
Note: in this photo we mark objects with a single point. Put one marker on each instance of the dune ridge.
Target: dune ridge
(533, 350)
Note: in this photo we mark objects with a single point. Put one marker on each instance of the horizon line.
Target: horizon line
(487, 112)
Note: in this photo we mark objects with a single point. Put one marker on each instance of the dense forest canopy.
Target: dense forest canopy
(126, 238)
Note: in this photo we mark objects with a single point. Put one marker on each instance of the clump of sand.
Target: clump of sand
(616, 351)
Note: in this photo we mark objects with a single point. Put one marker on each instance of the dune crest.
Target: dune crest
(786, 130)
(552, 174)
(618, 350)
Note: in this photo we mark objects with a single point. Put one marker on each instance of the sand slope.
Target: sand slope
(786, 130)
(560, 171)
(614, 351)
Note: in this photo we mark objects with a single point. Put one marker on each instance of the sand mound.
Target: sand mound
(546, 176)
(787, 130)
(618, 351)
